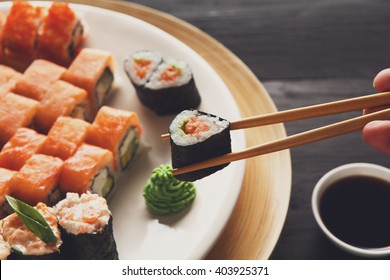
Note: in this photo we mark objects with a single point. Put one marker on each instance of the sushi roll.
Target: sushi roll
(86, 228)
(197, 136)
(37, 180)
(61, 99)
(15, 112)
(89, 169)
(8, 79)
(64, 137)
(24, 244)
(118, 131)
(5, 183)
(92, 70)
(37, 79)
(167, 89)
(60, 35)
(139, 66)
(19, 35)
(24, 144)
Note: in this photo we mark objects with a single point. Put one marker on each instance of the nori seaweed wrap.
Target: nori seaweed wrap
(86, 228)
(165, 85)
(197, 136)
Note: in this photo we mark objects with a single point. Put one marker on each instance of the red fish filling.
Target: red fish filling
(170, 73)
(195, 126)
(142, 67)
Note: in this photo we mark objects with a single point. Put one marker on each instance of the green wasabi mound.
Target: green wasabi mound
(164, 194)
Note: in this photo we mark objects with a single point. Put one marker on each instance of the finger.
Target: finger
(377, 135)
(382, 80)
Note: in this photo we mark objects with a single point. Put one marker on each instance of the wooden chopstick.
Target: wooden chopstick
(303, 138)
(346, 105)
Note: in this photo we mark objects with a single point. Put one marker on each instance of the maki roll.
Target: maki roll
(89, 169)
(92, 70)
(24, 144)
(5, 183)
(8, 79)
(15, 112)
(60, 35)
(139, 66)
(61, 99)
(65, 136)
(86, 228)
(37, 180)
(197, 136)
(37, 79)
(24, 244)
(118, 131)
(19, 35)
(167, 87)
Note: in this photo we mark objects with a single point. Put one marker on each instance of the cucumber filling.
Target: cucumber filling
(103, 183)
(103, 87)
(128, 148)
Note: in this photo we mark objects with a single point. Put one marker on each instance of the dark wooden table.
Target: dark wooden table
(304, 52)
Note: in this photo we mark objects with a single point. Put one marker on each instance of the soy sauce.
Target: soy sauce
(356, 209)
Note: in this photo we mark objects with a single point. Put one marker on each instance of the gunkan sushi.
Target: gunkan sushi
(27, 245)
(166, 86)
(5, 249)
(197, 136)
(118, 131)
(89, 169)
(86, 228)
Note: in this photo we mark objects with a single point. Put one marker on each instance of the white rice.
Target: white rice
(185, 74)
(180, 138)
(153, 56)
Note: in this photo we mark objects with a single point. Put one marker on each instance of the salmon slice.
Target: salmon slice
(8, 79)
(60, 35)
(61, 99)
(37, 180)
(37, 79)
(25, 143)
(15, 112)
(65, 136)
(80, 170)
(21, 28)
(5, 181)
(88, 71)
(110, 128)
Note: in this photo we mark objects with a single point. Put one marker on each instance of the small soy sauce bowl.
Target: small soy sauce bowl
(351, 205)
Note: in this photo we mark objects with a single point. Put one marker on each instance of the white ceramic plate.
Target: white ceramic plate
(139, 234)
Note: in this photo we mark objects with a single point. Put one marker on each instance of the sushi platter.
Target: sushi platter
(198, 230)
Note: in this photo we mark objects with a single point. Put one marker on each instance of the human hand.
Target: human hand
(377, 133)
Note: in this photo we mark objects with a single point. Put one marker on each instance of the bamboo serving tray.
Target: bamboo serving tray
(259, 215)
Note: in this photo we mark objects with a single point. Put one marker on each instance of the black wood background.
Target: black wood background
(304, 52)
